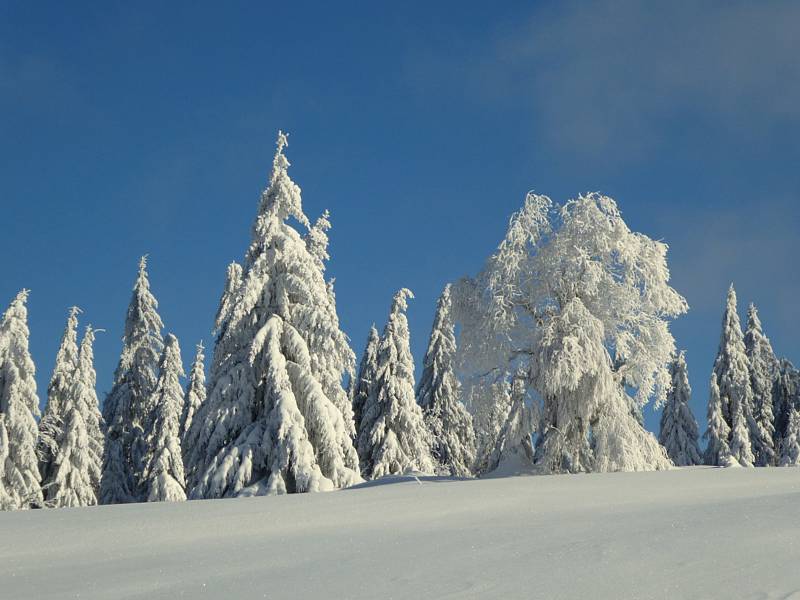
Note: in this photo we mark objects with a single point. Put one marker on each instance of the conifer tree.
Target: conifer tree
(366, 375)
(393, 438)
(19, 405)
(786, 395)
(490, 400)
(273, 421)
(78, 460)
(6, 497)
(163, 471)
(718, 452)
(740, 444)
(678, 433)
(790, 444)
(52, 422)
(128, 404)
(195, 392)
(439, 395)
(764, 371)
(514, 439)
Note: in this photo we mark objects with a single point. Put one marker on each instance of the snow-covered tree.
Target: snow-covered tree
(52, 422)
(764, 371)
(78, 460)
(514, 444)
(439, 395)
(274, 420)
(366, 375)
(163, 473)
(19, 405)
(393, 438)
(195, 392)
(732, 372)
(790, 444)
(678, 432)
(7, 500)
(489, 399)
(718, 452)
(568, 288)
(129, 403)
(786, 395)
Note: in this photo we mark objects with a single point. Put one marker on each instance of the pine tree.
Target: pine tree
(274, 419)
(678, 433)
(128, 404)
(786, 395)
(393, 438)
(78, 460)
(439, 395)
(195, 392)
(52, 423)
(764, 370)
(163, 471)
(718, 452)
(366, 375)
(790, 444)
(732, 373)
(19, 405)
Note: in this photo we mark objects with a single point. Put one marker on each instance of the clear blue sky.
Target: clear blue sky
(132, 128)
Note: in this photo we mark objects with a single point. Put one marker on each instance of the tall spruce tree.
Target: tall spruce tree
(393, 438)
(790, 444)
(78, 460)
(764, 370)
(128, 404)
(52, 423)
(678, 432)
(439, 395)
(163, 463)
(195, 392)
(19, 405)
(718, 452)
(366, 375)
(273, 421)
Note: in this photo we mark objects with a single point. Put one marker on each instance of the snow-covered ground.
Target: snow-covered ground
(693, 533)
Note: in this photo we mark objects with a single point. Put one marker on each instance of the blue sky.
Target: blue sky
(133, 128)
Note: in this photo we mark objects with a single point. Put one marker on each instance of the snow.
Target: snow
(699, 532)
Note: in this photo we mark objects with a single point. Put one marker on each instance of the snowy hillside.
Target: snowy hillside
(694, 533)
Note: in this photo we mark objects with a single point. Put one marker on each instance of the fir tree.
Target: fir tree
(19, 405)
(490, 400)
(128, 404)
(163, 472)
(718, 452)
(7, 500)
(393, 438)
(439, 395)
(365, 377)
(790, 444)
(274, 419)
(52, 423)
(678, 433)
(195, 392)
(786, 395)
(764, 370)
(514, 440)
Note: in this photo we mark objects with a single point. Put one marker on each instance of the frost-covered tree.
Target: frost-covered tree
(718, 452)
(366, 375)
(163, 473)
(732, 371)
(439, 395)
(19, 405)
(393, 438)
(514, 440)
(786, 396)
(569, 288)
(790, 444)
(195, 392)
(78, 460)
(129, 403)
(490, 401)
(7, 500)
(764, 371)
(678, 432)
(274, 421)
(52, 422)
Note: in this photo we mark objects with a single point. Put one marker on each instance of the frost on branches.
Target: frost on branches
(439, 395)
(128, 404)
(490, 401)
(786, 396)
(513, 446)
(678, 433)
(764, 371)
(583, 304)
(19, 408)
(393, 438)
(790, 444)
(366, 375)
(274, 421)
(195, 392)
(718, 452)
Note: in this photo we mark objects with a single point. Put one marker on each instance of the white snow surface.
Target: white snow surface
(698, 532)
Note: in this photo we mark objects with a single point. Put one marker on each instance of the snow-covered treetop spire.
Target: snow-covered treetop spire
(317, 239)
(400, 300)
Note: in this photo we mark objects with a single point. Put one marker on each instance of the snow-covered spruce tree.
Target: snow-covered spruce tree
(790, 444)
(786, 395)
(19, 405)
(128, 404)
(273, 421)
(514, 444)
(489, 399)
(163, 474)
(6, 497)
(393, 438)
(732, 371)
(78, 460)
(195, 392)
(439, 395)
(678, 432)
(764, 371)
(365, 377)
(718, 452)
(52, 422)
(566, 289)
